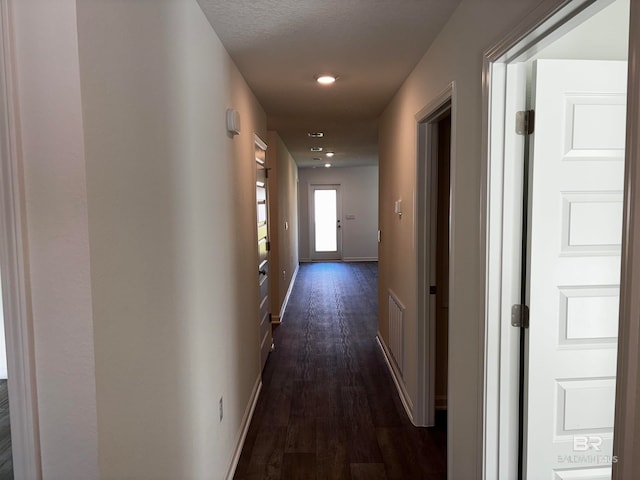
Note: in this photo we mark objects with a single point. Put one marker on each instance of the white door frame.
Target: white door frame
(324, 256)
(549, 20)
(426, 243)
(25, 438)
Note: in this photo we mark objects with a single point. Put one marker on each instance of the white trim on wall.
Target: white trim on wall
(397, 378)
(25, 438)
(244, 428)
(360, 259)
(278, 320)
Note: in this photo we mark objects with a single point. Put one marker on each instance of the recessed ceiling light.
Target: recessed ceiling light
(329, 154)
(326, 79)
(327, 165)
(316, 149)
(316, 134)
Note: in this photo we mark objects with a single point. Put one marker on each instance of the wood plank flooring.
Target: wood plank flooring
(6, 463)
(328, 407)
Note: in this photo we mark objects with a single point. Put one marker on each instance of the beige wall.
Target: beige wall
(359, 193)
(283, 223)
(455, 56)
(173, 237)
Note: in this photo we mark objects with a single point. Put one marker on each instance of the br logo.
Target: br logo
(583, 443)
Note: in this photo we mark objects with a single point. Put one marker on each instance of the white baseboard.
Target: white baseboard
(286, 297)
(344, 259)
(244, 428)
(397, 379)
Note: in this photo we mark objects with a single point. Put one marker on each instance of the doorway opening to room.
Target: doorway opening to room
(555, 179)
(433, 246)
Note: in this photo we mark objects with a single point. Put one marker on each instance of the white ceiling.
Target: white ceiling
(280, 45)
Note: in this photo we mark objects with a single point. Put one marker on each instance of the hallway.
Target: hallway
(328, 407)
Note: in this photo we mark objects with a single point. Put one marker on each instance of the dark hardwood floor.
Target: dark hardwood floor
(328, 407)
(6, 463)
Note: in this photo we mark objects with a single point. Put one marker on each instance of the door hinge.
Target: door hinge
(525, 122)
(520, 316)
(433, 290)
(268, 246)
(266, 172)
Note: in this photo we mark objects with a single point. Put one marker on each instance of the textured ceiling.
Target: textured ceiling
(280, 45)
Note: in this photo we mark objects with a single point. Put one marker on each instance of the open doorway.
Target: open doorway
(555, 202)
(433, 239)
(443, 235)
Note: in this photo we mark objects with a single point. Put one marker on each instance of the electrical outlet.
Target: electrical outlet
(221, 412)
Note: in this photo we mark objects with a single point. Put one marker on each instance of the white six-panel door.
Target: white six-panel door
(262, 217)
(575, 234)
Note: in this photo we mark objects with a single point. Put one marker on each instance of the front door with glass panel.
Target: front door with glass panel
(325, 222)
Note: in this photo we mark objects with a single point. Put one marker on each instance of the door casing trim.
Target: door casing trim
(627, 414)
(425, 240)
(25, 434)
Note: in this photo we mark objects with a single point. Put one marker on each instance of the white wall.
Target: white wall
(283, 221)
(52, 153)
(455, 56)
(604, 36)
(173, 237)
(359, 191)
(141, 237)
